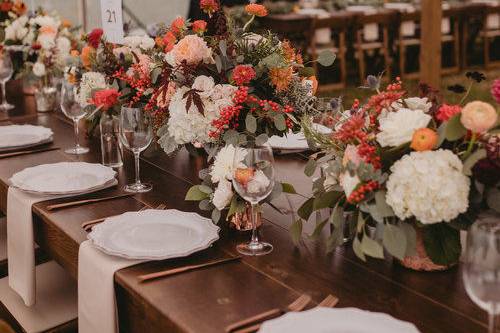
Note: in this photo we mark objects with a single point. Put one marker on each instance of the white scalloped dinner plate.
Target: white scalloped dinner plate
(64, 178)
(295, 141)
(346, 320)
(23, 136)
(154, 234)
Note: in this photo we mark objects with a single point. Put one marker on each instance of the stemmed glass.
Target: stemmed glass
(136, 134)
(6, 72)
(72, 109)
(253, 179)
(482, 268)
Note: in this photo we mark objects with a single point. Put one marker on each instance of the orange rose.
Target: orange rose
(88, 52)
(67, 23)
(48, 30)
(256, 10)
(424, 139)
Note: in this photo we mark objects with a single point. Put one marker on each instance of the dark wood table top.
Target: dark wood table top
(208, 300)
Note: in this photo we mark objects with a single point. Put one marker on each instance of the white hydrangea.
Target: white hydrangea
(428, 185)
(90, 81)
(190, 126)
(223, 194)
(47, 21)
(17, 29)
(398, 127)
(63, 45)
(47, 41)
(223, 166)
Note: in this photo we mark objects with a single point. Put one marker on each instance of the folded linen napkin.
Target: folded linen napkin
(96, 292)
(21, 243)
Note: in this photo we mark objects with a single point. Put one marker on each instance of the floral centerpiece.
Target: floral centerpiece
(11, 28)
(229, 86)
(410, 171)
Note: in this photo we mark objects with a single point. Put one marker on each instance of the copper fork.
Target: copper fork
(329, 301)
(243, 325)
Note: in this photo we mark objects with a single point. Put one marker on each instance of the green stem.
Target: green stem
(466, 94)
(248, 23)
(470, 146)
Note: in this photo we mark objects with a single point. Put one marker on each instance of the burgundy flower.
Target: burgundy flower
(94, 37)
(495, 90)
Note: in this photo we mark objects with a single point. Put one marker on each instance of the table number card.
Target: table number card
(112, 20)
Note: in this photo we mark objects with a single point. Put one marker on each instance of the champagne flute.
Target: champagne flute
(253, 179)
(6, 72)
(136, 134)
(73, 110)
(481, 273)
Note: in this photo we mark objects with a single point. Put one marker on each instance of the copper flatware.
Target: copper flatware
(174, 271)
(26, 152)
(86, 201)
(329, 302)
(87, 226)
(249, 324)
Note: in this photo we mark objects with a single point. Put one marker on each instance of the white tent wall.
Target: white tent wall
(147, 11)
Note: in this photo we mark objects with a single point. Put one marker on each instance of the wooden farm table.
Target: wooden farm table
(207, 300)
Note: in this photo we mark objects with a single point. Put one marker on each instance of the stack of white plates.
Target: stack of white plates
(14, 137)
(154, 234)
(295, 141)
(64, 178)
(347, 320)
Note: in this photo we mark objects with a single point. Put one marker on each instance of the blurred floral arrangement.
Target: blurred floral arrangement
(42, 43)
(232, 86)
(414, 169)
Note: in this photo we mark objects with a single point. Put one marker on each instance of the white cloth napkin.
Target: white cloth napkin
(96, 292)
(21, 243)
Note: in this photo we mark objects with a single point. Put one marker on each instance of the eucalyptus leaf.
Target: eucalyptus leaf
(155, 74)
(279, 122)
(231, 137)
(337, 216)
(358, 250)
(326, 58)
(454, 128)
(442, 243)
(296, 231)
(310, 167)
(306, 209)
(472, 160)
(325, 200)
(318, 229)
(411, 239)
(205, 189)
(216, 215)
(250, 123)
(306, 71)
(372, 248)
(261, 139)
(205, 205)
(288, 188)
(394, 239)
(195, 194)
(334, 240)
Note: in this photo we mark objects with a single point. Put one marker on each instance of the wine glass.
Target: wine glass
(6, 71)
(72, 109)
(253, 179)
(482, 267)
(136, 134)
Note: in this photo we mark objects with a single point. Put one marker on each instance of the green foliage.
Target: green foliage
(472, 160)
(326, 58)
(394, 240)
(442, 243)
(195, 194)
(296, 231)
(454, 129)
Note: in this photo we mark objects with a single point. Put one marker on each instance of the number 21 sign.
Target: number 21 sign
(112, 21)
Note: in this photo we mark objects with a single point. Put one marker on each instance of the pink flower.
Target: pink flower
(178, 25)
(478, 116)
(106, 98)
(169, 41)
(351, 155)
(446, 111)
(192, 50)
(209, 6)
(199, 26)
(243, 74)
(495, 90)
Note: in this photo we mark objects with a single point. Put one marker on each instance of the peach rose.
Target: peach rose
(192, 49)
(424, 139)
(478, 116)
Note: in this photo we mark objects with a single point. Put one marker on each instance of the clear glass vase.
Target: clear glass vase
(109, 126)
(46, 94)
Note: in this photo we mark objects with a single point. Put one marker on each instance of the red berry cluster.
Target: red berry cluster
(230, 114)
(359, 194)
(352, 130)
(139, 83)
(369, 154)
